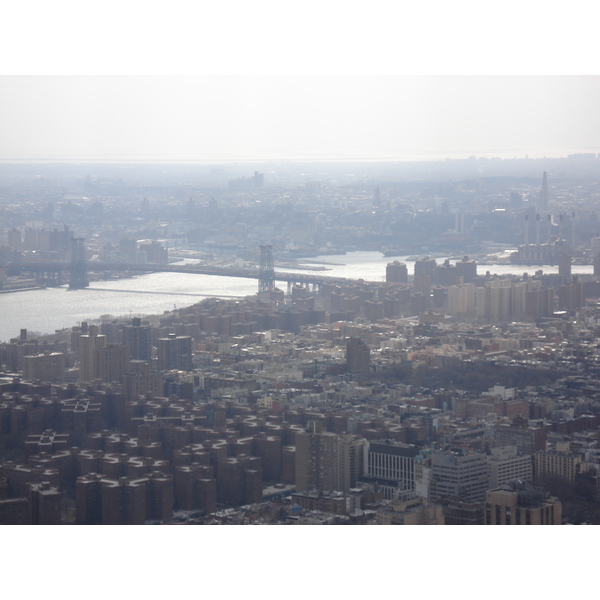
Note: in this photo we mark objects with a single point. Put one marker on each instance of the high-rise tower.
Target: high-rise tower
(327, 461)
(88, 347)
(139, 339)
(175, 352)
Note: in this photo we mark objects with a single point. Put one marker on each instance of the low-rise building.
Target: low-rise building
(519, 503)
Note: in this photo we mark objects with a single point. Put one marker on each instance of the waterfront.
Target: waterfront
(47, 310)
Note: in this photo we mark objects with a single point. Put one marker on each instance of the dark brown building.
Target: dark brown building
(45, 503)
(358, 356)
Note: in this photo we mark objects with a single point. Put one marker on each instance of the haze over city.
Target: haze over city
(257, 117)
(300, 264)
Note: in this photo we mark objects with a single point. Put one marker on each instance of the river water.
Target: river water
(47, 310)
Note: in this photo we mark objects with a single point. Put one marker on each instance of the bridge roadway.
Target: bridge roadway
(54, 267)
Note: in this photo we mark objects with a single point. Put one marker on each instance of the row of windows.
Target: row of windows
(389, 466)
(515, 465)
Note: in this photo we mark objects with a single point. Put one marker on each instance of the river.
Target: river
(47, 310)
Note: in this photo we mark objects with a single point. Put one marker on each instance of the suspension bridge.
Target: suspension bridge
(79, 267)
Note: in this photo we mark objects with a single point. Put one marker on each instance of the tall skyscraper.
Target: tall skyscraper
(564, 267)
(111, 363)
(461, 299)
(138, 338)
(467, 269)
(99, 360)
(175, 352)
(396, 272)
(425, 267)
(88, 344)
(44, 500)
(327, 461)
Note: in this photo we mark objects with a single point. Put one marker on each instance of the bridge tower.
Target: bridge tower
(266, 270)
(79, 278)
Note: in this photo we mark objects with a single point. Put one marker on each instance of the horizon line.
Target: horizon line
(414, 158)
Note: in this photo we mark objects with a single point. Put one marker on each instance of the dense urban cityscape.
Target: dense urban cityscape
(278, 264)
(457, 386)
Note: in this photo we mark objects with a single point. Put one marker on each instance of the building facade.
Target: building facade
(505, 465)
(175, 352)
(460, 475)
(391, 465)
(519, 503)
(327, 461)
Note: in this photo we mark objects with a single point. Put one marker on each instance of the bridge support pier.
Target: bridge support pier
(78, 278)
(266, 270)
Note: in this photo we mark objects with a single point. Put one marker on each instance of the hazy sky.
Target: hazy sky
(321, 78)
(256, 117)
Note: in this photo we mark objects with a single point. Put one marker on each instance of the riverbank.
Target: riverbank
(47, 310)
(24, 289)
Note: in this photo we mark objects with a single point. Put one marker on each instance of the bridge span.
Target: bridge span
(15, 268)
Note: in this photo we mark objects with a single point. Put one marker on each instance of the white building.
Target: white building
(505, 465)
(391, 465)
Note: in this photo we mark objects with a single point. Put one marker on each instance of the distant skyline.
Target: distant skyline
(268, 118)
